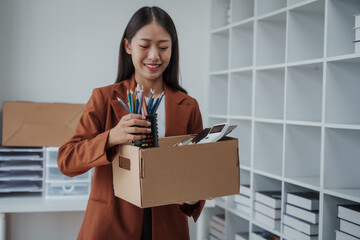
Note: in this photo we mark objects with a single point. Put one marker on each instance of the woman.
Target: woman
(148, 56)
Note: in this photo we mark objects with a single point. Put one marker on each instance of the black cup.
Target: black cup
(151, 139)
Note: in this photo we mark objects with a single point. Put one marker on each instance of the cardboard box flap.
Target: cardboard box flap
(171, 141)
(39, 124)
(168, 175)
(126, 173)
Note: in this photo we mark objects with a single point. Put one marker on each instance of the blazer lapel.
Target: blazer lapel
(176, 115)
(120, 92)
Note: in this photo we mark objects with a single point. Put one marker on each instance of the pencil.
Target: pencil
(122, 103)
(145, 112)
(132, 101)
(154, 105)
(151, 100)
(158, 103)
(141, 97)
(129, 100)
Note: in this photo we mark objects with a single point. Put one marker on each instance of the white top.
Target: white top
(160, 117)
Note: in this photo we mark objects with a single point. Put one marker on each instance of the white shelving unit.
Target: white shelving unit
(286, 72)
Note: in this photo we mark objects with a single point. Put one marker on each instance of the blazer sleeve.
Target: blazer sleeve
(87, 148)
(195, 127)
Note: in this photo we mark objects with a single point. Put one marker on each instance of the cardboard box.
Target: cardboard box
(39, 124)
(174, 174)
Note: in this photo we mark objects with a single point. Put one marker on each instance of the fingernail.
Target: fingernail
(149, 129)
(148, 123)
(143, 117)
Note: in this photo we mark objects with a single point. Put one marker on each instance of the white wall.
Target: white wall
(58, 51)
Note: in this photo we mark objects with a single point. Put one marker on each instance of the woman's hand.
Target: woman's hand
(124, 131)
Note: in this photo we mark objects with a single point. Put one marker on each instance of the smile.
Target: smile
(152, 67)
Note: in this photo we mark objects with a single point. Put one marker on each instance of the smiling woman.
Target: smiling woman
(149, 56)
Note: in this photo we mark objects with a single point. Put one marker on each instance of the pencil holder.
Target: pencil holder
(151, 139)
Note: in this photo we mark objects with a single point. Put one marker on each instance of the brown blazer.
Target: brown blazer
(107, 216)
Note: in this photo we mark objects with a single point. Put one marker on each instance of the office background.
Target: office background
(285, 71)
(58, 51)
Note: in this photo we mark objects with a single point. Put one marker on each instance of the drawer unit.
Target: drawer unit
(54, 174)
(59, 185)
(61, 189)
(22, 169)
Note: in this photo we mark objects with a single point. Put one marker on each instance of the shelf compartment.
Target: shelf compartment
(205, 218)
(219, 50)
(291, 188)
(268, 146)
(243, 133)
(218, 94)
(244, 210)
(235, 224)
(269, 97)
(242, 45)
(245, 177)
(330, 212)
(270, 42)
(304, 93)
(21, 186)
(219, 13)
(257, 229)
(302, 153)
(242, 10)
(21, 165)
(341, 21)
(306, 32)
(21, 175)
(342, 163)
(268, 6)
(263, 183)
(342, 92)
(241, 93)
(350, 194)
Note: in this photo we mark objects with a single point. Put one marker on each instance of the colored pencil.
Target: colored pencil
(158, 103)
(141, 90)
(132, 101)
(129, 100)
(122, 103)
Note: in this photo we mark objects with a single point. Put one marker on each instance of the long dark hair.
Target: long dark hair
(141, 17)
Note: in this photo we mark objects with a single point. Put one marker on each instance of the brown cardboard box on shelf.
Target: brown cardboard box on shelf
(174, 174)
(39, 124)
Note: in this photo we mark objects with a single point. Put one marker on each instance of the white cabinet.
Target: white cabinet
(286, 72)
(58, 185)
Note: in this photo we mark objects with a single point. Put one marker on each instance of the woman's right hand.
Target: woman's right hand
(124, 131)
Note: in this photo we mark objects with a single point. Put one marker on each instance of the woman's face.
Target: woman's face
(150, 51)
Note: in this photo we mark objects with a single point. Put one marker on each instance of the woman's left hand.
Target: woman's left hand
(191, 202)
